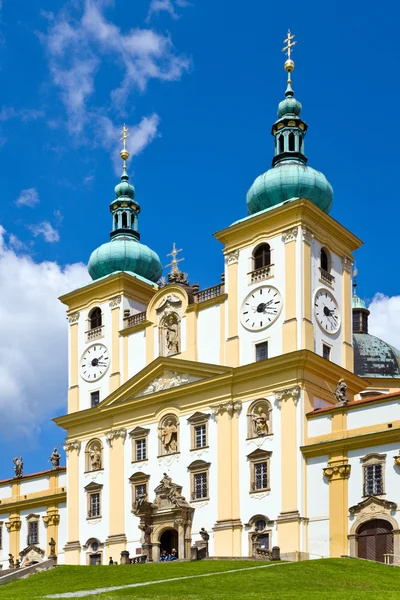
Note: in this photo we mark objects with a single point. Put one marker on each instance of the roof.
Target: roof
(356, 403)
(375, 358)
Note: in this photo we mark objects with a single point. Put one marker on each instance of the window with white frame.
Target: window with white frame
(199, 430)
(199, 470)
(373, 474)
(259, 470)
(200, 435)
(33, 530)
(139, 482)
(139, 437)
(141, 450)
(93, 491)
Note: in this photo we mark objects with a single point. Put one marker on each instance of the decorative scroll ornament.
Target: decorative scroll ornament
(168, 379)
(290, 235)
(73, 318)
(347, 264)
(14, 524)
(73, 445)
(230, 407)
(114, 434)
(51, 520)
(114, 302)
(232, 257)
(293, 392)
(337, 472)
(308, 235)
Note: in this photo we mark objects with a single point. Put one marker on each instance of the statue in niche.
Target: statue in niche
(341, 392)
(55, 458)
(260, 422)
(171, 332)
(18, 466)
(95, 458)
(169, 437)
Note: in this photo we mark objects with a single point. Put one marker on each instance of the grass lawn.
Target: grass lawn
(343, 579)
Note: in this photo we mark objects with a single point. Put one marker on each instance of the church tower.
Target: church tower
(288, 264)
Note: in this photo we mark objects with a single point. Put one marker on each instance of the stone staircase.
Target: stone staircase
(13, 574)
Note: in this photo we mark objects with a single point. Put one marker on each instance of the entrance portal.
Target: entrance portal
(375, 538)
(169, 541)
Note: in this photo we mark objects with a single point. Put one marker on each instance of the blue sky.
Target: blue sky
(198, 83)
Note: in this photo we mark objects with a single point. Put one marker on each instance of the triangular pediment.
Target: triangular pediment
(161, 376)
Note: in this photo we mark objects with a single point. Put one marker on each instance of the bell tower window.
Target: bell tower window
(262, 256)
(95, 318)
(281, 144)
(124, 220)
(291, 142)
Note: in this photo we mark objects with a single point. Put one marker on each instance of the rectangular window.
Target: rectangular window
(141, 453)
(94, 399)
(94, 505)
(373, 480)
(326, 352)
(140, 492)
(200, 486)
(200, 435)
(33, 533)
(261, 351)
(260, 476)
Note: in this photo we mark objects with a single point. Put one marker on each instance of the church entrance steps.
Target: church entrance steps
(13, 574)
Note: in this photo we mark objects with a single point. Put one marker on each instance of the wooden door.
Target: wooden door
(375, 538)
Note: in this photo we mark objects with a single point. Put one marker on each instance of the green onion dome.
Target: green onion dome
(287, 180)
(124, 189)
(125, 253)
(358, 303)
(289, 106)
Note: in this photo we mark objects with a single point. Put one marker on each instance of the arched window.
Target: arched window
(324, 260)
(291, 142)
(94, 456)
(262, 256)
(116, 221)
(281, 144)
(95, 318)
(124, 220)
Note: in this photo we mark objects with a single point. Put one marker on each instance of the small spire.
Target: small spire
(124, 154)
(289, 63)
(176, 275)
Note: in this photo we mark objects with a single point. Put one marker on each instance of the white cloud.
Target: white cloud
(33, 341)
(169, 6)
(78, 48)
(25, 114)
(46, 230)
(28, 197)
(384, 320)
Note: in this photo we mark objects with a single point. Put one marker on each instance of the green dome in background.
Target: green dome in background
(287, 180)
(358, 303)
(125, 253)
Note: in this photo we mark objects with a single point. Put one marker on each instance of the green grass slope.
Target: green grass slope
(320, 579)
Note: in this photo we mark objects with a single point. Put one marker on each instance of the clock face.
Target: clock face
(327, 311)
(261, 308)
(94, 362)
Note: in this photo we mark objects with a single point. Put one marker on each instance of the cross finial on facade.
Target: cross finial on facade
(289, 44)
(174, 262)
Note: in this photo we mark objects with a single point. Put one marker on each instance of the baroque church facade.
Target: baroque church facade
(256, 413)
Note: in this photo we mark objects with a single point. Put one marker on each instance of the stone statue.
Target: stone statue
(204, 534)
(341, 392)
(18, 466)
(169, 437)
(95, 458)
(139, 500)
(260, 422)
(55, 458)
(147, 531)
(52, 544)
(171, 329)
(11, 561)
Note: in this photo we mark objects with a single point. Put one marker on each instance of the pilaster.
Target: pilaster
(232, 342)
(289, 328)
(73, 391)
(228, 528)
(115, 377)
(307, 332)
(13, 526)
(72, 547)
(348, 353)
(116, 537)
(337, 472)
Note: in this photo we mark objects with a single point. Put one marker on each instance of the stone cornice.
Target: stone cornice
(376, 438)
(34, 500)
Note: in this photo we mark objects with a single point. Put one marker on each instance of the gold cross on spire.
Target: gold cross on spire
(174, 262)
(124, 154)
(289, 44)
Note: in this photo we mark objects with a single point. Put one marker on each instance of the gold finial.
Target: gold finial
(289, 64)
(174, 262)
(124, 154)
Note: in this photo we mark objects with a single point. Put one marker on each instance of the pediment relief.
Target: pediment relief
(33, 553)
(169, 495)
(170, 301)
(169, 379)
(373, 505)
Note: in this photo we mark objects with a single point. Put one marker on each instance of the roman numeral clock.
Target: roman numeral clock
(261, 308)
(94, 362)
